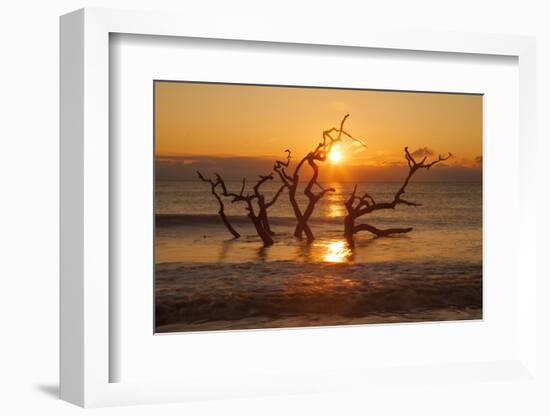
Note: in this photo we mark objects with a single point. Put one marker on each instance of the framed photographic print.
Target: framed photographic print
(245, 239)
(275, 213)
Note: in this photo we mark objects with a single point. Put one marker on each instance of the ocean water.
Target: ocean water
(448, 225)
(206, 280)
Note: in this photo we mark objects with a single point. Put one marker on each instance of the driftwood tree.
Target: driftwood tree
(255, 204)
(314, 191)
(357, 206)
(264, 205)
(221, 210)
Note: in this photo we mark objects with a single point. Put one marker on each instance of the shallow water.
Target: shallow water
(447, 226)
(206, 280)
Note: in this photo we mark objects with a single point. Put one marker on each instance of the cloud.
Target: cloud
(384, 168)
(231, 167)
(478, 160)
(398, 173)
(422, 152)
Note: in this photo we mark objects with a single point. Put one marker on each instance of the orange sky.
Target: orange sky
(220, 120)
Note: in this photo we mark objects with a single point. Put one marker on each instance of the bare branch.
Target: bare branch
(411, 204)
(258, 220)
(366, 204)
(276, 196)
(340, 131)
(439, 159)
(380, 232)
(221, 210)
(242, 188)
(280, 163)
(262, 180)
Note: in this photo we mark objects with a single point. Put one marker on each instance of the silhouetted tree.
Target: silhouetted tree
(358, 206)
(221, 211)
(259, 219)
(264, 205)
(293, 180)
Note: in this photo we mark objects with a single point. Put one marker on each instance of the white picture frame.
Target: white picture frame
(85, 213)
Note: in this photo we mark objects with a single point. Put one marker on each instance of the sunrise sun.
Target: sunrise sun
(335, 156)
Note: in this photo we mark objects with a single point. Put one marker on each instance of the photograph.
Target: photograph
(297, 206)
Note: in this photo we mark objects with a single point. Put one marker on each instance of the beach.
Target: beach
(205, 280)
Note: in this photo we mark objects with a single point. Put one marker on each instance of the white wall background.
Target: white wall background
(29, 205)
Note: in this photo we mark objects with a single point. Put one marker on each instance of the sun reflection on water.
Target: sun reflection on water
(337, 252)
(335, 211)
(334, 202)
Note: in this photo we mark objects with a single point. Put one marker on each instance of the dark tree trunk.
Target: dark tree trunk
(313, 198)
(296, 208)
(303, 225)
(348, 229)
(303, 228)
(262, 215)
(265, 224)
(227, 224)
(264, 235)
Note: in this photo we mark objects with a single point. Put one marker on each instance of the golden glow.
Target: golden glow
(336, 252)
(334, 210)
(335, 155)
(335, 205)
(261, 121)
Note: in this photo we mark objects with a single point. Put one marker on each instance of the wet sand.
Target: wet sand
(205, 296)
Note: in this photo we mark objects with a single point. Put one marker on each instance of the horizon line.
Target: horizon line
(240, 180)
